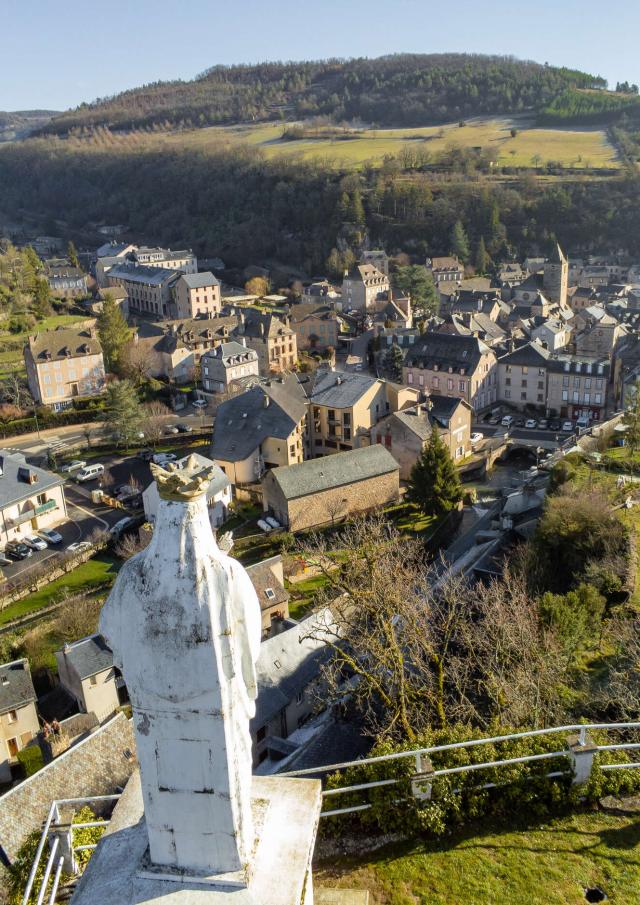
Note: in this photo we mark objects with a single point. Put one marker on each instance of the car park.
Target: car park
(79, 547)
(531, 424)
(50, 536)
(184, 428)
(17, 550)
(89, 473)
(567, 426)
(74, 465)
(476, 438)
(35, 542)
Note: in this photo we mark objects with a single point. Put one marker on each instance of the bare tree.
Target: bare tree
(153, 421)
(137, 362)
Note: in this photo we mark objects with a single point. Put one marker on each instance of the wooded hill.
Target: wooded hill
(398, 90)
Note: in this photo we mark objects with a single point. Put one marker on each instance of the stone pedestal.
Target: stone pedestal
(286, 813)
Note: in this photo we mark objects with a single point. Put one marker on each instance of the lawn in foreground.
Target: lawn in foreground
(547, 863)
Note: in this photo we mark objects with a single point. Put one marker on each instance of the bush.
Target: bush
(459, 798)
(30, 759)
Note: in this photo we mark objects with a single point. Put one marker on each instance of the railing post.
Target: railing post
(581, 752)
(422, 780)
(64, 834)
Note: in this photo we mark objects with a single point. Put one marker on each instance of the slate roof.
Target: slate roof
(89, 656)
(316, 475)
(366, 273)
(143, 273)
(322, 311)
(339, 389)
(416, 420)
(288, 662)
(112, 249)
(16, 687)
(200, 280)
(461, 353)
(244, 422)
(230, 354)
(263, 577)
(532, 354)
(446, 263)
(53, 345)
(444, 407)
(13, 489)
(260, 326)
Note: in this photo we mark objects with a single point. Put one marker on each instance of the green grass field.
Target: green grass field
(537, 865)
(532, 147)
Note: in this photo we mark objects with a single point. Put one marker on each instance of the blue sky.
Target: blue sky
(55, 55)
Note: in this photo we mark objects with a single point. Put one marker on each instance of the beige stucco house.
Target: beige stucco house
(18, 717)
(273, 340)
(315, 325)
(453, 365)
(30, 498)
(87, 673)
(197, 295)
(65, 364)
(267, 578)
(363, 286)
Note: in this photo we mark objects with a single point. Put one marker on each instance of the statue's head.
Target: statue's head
(182, 484)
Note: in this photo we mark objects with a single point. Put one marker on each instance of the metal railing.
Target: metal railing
(52, 821)
(419, 754)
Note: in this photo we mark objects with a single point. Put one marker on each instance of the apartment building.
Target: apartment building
(65, 364)
(149, 288)
(453, 365)
(18, 717)
(229, 362)
(344, 407)
(578, 386)
(364, 286)
(197, 295)
(66, 281)
(522, 376)
(271, 338)
(30, 498)
(183, 259)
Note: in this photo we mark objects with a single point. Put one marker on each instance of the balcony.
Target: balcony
(28, 514)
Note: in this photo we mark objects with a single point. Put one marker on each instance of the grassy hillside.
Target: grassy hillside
(535, 865)
(398, 90)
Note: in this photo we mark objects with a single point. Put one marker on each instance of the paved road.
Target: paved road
(519, 433)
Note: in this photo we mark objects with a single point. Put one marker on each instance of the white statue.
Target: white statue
(183, 621)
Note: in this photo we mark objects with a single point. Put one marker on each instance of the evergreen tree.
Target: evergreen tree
(123, 413)
(356, 208)
(482, 258)
(42, 297)
(460, 242)
(113, 332)
(393, 361)
(434, 484)
(632, 419)
(418, 283)
(72, 254)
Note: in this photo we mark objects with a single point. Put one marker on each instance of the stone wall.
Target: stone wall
(95, 766)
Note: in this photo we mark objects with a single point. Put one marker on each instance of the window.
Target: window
(576, 396)
(270, 594)
(507, 381)
(525, 370)
(565, 395)
(598, 399)
(435, 382)
(587, 398)
(346, 433)
(461, 386)
(565, 381)
(540, 372)
(523, 396)
(523, 383)
(587, 383)
(508, 367)
(409, 377)
(41, 499)
(576, 382)
(540, 397)
(12, 745)
(12, 716)
(346, 419)
(541, 385)
(507, 394)
(449, 384)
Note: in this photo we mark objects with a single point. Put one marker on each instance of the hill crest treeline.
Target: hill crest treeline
(398, 90)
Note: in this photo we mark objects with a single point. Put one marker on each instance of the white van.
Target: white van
(89, 473)
(507, 421)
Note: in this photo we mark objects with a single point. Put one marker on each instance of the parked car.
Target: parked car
(50, 536)
(494, 419)
(543, 424)
(17, 550)
(89, 473)
(184, 428)
(507, 421)
(531, 424)
(583, 422)
(164, 458)
(567, 426)
(554, 425)
(120, 527)
(172, 429)
(199, 403)
(79, 547)
(476, 438)
(35, 542)
(74, 465)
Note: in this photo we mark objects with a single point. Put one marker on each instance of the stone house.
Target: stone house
(174, 348)
(599, 337)
(267, 578)
(227, 362)
(30, 498)
(325, 490)
(453, 365)
(150, 289)
(406, 433)
(18, 717)
(197, 295)
(363, 286)
(87, 674)
(272, 339)
(522, 377)
(265, 427)
(219, 492)
(553, 334)
(578, 386)
(65, 364)
(315, 325)
(447, 269)
(344, 406)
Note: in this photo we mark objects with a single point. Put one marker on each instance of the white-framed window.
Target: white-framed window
(12, 716)
(565, 396)
(409, 377)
